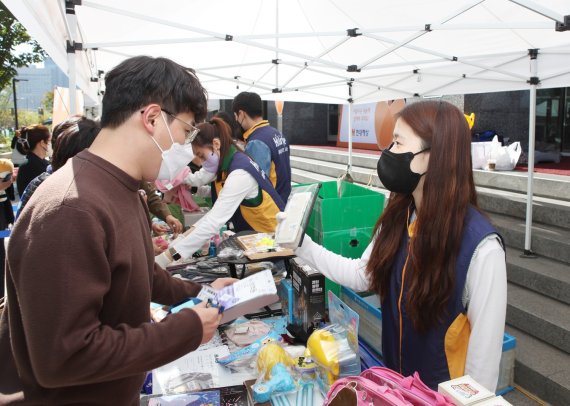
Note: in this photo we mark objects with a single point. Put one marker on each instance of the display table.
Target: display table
(243, 261)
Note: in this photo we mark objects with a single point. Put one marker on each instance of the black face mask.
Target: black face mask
(395, 173)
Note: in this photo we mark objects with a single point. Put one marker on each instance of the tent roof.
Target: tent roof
(311, 50)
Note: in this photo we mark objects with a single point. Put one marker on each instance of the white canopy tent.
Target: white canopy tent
(323, 51)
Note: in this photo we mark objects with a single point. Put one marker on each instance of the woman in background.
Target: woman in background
(36, 143)
(70, 137)
(241, 192)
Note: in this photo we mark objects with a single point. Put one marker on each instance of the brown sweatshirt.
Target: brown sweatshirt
(80, 277)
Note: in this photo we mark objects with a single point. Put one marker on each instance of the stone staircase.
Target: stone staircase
(538, 302)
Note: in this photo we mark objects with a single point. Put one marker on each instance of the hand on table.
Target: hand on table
(223, 282)
(210, 318)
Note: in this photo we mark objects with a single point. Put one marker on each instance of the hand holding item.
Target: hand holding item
(210, 318)
(174, 223)
(281, 216)
(222, 282)
(160, 245)
(159, 228)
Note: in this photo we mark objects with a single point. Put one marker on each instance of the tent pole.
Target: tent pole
(533, 53)
(71, 58)
(350, 101)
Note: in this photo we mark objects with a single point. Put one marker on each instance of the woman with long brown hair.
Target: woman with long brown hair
(241, 192)
(436, 261)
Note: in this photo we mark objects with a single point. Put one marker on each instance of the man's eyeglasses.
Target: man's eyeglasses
(190, 134)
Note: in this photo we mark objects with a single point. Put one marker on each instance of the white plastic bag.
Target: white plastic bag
(480, 153)
(505, 158)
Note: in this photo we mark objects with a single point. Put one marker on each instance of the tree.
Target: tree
(13, 34)
(47, 103)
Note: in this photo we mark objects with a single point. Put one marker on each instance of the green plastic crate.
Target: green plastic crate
(344, 224)
(349, 243)
(358, 207)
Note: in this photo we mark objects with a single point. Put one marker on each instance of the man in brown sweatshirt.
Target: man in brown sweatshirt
(80, 263)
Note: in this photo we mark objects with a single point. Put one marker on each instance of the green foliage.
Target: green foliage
(25, 117)
(47, 104)
(13, 34)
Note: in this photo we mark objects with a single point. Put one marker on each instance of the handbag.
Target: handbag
(383, 386)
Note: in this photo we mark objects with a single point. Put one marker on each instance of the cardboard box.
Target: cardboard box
(465, 391)
(308, 295)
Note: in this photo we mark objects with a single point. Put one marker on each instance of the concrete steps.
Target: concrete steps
(548, 241)
(540, 316)
(541, 369)
(538, 310)
(546, 211)
(542, 275)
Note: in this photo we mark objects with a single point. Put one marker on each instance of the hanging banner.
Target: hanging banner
(61, 110)
(372, 124)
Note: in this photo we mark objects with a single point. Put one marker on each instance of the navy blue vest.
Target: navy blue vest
(425, 353)
(264, 209)
(280, 157)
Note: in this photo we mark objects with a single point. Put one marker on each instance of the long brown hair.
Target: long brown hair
(448, 191)
(215, 128)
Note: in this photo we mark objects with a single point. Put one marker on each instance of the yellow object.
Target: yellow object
(6, 166)
(324, 350)
(456, 342)
(470, 119)
(269, 355)
(266, 242)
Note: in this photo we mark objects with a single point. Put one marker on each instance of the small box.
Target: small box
(285, 292)
(506, 379)
(465, 391)
(308, 294)
(498, 401)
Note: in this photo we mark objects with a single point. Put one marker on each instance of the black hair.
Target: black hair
(237, 132)
(30, 136)
(72, 136)
(249, 102)
(141, 80)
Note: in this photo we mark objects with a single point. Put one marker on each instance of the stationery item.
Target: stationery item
(246, 354)
(498, 401)
(197, 370)
(465, 391)
(235, 395)
(247, 295)
(242, 297)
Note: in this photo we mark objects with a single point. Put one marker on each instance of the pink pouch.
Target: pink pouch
(359, 391)
(412, 388)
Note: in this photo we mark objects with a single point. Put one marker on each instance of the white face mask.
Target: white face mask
(174, 159)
